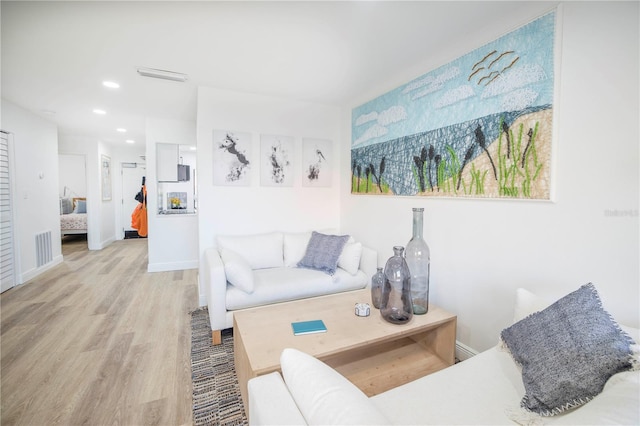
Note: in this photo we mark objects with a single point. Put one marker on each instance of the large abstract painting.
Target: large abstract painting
(479, 126)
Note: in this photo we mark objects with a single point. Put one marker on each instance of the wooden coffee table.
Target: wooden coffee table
(373, 354)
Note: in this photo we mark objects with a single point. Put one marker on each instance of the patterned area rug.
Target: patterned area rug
(216, 394)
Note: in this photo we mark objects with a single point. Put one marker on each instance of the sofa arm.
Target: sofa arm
(216, 288)
(270, 402)
(368, 263)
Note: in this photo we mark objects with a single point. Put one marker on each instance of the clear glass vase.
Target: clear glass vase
(395, 305)
(417, 255)
(377, 282)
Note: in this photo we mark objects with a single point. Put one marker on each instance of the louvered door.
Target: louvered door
(7, 268)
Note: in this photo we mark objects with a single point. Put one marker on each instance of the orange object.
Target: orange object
(139, 215)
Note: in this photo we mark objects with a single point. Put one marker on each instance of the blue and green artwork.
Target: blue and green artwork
(479, 126)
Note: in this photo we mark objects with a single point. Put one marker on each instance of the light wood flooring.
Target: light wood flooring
(98, 340)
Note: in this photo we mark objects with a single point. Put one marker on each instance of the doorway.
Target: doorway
(72, 186)
(132, 175)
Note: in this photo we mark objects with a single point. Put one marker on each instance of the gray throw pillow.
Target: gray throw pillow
(323, 252)
(568, 352)
(66, 206)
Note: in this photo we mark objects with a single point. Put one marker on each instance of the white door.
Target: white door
(7, 260)
(132, 174)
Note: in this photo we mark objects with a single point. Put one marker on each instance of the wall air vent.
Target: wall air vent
(44, 251)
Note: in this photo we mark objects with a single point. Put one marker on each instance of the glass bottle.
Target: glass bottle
(377, 282)
(418, 259)
(395, 305)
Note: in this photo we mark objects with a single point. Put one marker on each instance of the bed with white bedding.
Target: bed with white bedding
(73, 216)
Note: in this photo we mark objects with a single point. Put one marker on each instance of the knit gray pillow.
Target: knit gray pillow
(323, 252)
(568, 352)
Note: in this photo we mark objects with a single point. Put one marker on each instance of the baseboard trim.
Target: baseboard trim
(464, 352)
(172, 266)
(31, 274)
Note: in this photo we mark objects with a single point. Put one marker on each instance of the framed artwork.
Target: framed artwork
(276, 155)
(480, 126)
(316, 162)
(231, 158)
(105, 173)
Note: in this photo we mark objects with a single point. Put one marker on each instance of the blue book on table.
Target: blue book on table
(308, 327)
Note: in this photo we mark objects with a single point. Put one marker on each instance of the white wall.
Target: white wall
(72, 176)
(106, 206)
(36, 204)
(173, 239)
(481, 251)
(254, 208)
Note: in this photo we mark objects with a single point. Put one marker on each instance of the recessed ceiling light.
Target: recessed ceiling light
(130, 141)
(99, 111)
(111, 84)
(192, 148)
(121, 130)
(163, 74)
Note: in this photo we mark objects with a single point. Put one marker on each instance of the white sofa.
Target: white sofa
(246, 271)
(485, 389)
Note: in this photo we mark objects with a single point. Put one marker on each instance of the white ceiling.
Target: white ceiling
(55, 55)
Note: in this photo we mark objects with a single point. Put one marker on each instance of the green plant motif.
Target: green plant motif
(516, 169)
(372, 182)
(477, 180)
(515, 166)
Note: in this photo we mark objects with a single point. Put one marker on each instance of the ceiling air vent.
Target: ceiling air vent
(163, 74)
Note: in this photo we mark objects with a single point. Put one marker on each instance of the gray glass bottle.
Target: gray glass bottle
(418, 259)
(396, 306)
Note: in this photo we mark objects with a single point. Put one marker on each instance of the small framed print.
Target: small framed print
(317, 156)
(231, 158)
(276, 160)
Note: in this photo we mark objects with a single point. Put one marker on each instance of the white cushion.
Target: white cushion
(260, 250)
(350, 257)
(527, 303)
(633, 332)
(270, 402)
(295, 246)
(323, 395)
(616, 405)
(275, 285)
(237, 270)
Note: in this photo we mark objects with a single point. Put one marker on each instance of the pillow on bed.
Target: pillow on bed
(66, 206)
(568, 351)
(79, 205)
